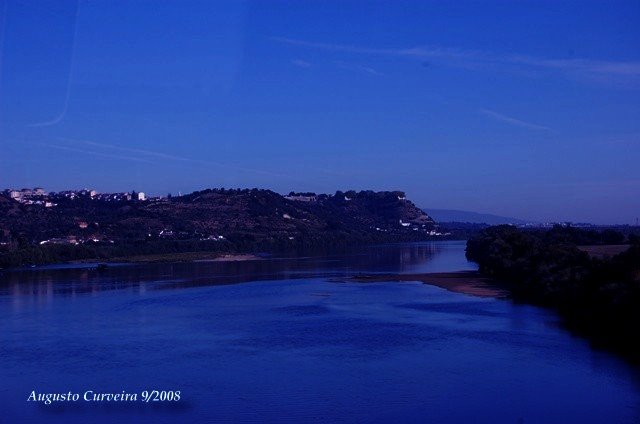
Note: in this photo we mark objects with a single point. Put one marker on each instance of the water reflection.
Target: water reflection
(42, 283)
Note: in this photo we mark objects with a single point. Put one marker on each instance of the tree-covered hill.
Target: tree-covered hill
(213, 219)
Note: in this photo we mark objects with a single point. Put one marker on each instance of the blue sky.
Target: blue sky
(526, 109)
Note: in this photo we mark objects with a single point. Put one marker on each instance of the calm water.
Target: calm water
(292, 343)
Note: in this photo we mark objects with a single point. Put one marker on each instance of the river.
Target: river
(291, 340)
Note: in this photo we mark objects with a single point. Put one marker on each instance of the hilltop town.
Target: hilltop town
(38, 196)
(41, 227)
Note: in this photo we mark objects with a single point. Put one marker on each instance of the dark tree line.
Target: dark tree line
(598, 298)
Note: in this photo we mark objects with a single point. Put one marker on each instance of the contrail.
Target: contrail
(65, 107)
(160, 155)
(512, 121)
(91, 152)
(2, 31)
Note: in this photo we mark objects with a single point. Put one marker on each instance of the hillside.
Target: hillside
(214, 219)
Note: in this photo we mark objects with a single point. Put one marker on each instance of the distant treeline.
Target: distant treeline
(614, 234)
(598, 298)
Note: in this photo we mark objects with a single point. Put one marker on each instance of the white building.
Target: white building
(141, 196)
(301, 198)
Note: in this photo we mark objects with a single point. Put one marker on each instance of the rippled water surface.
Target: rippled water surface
(287, 340)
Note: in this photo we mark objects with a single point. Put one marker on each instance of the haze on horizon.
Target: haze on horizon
(523, 109)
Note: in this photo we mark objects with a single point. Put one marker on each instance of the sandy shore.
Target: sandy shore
(187, 257)
(466, 282)
(231, 258)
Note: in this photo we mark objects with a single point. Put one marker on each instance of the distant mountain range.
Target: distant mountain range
(453, 215)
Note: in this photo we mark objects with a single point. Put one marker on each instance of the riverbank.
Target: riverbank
(466, 282)
(180, 257)
(594, 290)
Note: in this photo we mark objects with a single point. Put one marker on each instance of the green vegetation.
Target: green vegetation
(597, 297)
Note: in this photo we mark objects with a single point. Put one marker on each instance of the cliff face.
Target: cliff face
(386, 210)
(233, 214)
